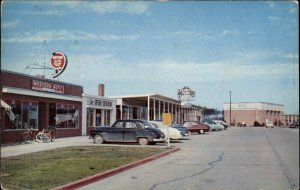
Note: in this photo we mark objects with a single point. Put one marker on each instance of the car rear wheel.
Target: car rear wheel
(143, 141)
(98, 139)
(201, 131)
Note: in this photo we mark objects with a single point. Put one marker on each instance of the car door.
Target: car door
(115, 133)
(130, 130)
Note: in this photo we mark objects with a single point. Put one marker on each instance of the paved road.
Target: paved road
(238, 158)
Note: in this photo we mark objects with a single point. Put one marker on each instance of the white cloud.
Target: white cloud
(103, 7)
(291, 56)
(273, 18)
(10, 24)
(55, 35)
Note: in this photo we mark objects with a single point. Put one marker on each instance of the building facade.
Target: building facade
(247, 113)
(152, 106)
(97, 111)
(35, 102)
(288, 119)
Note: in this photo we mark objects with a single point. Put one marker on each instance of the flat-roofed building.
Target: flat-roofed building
(249, 112)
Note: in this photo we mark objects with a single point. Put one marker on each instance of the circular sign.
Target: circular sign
(58, 62)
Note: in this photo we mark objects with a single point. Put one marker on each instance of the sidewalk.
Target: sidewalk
(15, 150)
(25, 148)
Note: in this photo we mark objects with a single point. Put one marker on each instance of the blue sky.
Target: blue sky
(247, 47)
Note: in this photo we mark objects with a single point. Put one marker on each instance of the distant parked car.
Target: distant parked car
(128, 130)
(213, 125)
(294, 125)
(222, 123)
(269, 124)
(169, 132)
(196, 126)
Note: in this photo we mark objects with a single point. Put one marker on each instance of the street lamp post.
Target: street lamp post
(230, 107)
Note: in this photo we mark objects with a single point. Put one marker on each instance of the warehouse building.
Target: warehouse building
(246, 113)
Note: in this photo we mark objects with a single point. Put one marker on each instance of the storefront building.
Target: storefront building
(152, 106)
(249, 112)
(97, 111)
(288, 119)
(36, 102)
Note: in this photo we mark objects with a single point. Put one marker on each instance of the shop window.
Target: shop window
(90, 117)
(23, 114)
(67, 116)
(30, 114)
(106, 117)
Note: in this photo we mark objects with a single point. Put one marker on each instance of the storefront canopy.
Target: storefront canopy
(5, 105)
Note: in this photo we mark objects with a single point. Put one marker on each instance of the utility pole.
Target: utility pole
(230, 107)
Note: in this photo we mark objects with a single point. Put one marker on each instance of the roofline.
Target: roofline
(39, 78)
(254, 103)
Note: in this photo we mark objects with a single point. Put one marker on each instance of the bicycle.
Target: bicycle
(52, 132)
(29, 135)
(43, 136)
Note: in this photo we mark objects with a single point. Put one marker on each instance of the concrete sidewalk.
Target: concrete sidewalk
(15, 150)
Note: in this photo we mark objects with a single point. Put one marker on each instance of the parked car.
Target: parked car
(196, 126)
(128, 130)
(294, 125)
(269, 124)
(222, 123)
(183, 130)
(213, 125)
(169, 132)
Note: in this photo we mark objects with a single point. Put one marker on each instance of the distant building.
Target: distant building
(289, 118)
(249, 112)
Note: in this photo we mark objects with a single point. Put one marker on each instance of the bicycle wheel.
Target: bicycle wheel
(39, 137)
(26, 138)
(46, 138)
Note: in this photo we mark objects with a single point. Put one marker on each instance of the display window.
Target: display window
(23, 114)
(67, 116)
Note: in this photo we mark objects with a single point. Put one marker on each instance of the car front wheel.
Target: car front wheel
(143, 141)
(98, 139)
(201, 131)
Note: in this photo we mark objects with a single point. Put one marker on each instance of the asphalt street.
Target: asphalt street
(237, 158)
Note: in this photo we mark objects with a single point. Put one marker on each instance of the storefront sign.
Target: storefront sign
(100, 103)
(47, 86)
(58, 62)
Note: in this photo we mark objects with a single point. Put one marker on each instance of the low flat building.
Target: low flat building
(36, 102)
(246, 113)
(151, 107)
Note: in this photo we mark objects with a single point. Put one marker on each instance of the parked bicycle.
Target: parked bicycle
(29, 135)
(52, 132)
(43, 136)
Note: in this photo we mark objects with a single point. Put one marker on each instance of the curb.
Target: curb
(112, 172)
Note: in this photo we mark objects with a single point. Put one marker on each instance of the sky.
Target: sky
(250, 48)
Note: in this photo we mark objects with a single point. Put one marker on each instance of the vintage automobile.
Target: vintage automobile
(294, 125)
(128, 130)
(184, 131)
(214, 126)
(169, 132)
(196, 126)
(269, 124)
(222, 123)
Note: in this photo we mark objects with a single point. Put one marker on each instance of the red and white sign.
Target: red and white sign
(47, 86)
(58, 62)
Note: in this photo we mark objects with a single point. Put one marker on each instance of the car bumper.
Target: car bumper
(160, 140)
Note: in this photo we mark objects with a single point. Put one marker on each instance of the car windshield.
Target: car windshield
(148, 124)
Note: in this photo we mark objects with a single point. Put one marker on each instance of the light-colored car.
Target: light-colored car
(214, 126)
(269, 124)
(169, 132)
(222, 123)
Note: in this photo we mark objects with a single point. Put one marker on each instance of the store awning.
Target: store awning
(5, 105)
